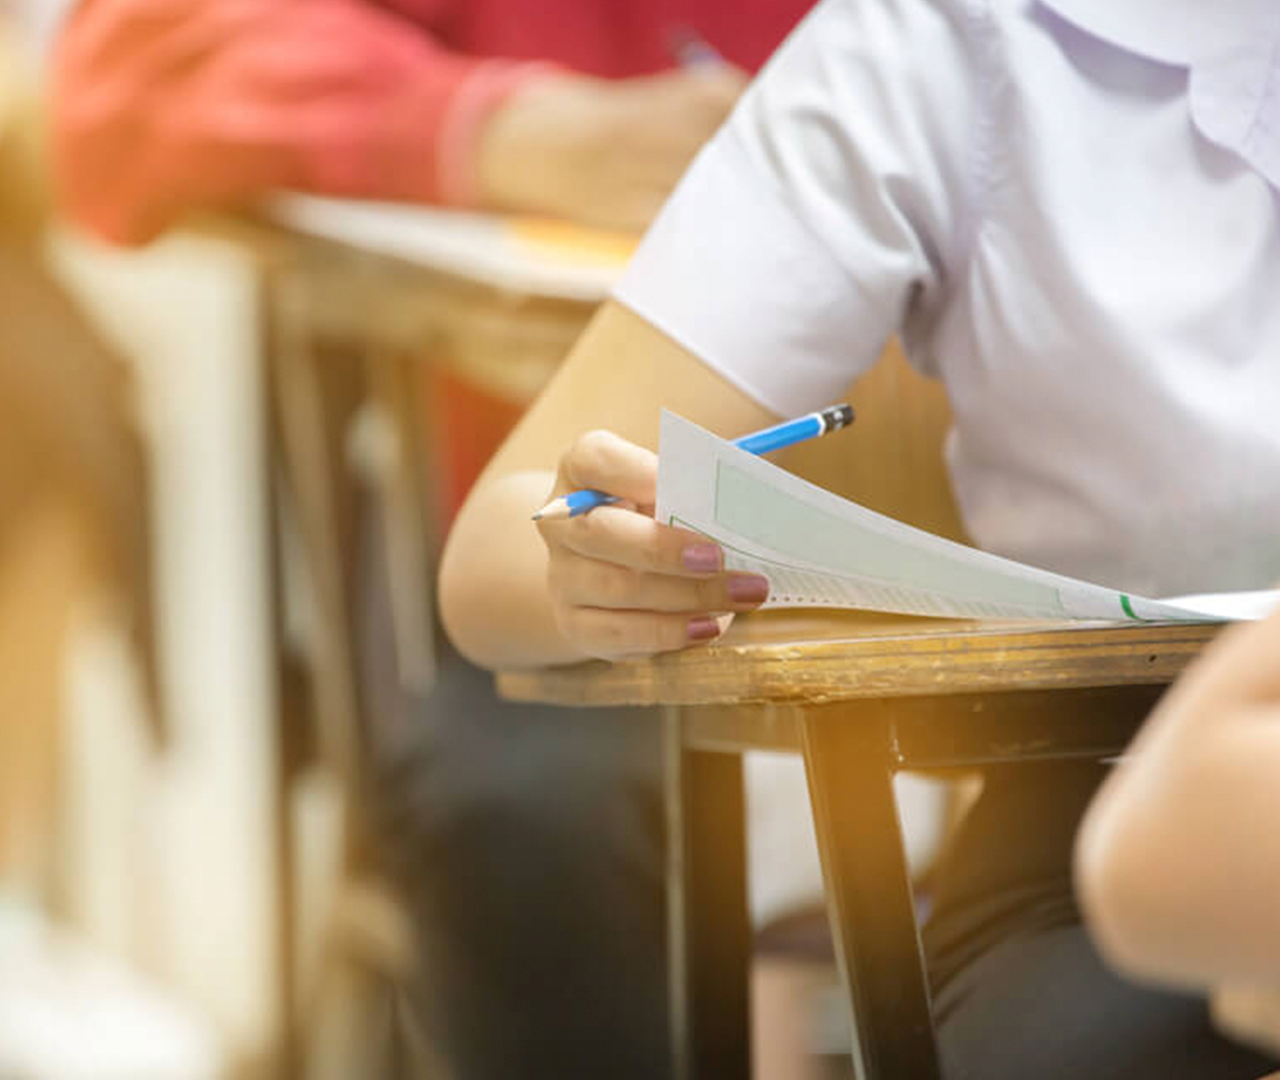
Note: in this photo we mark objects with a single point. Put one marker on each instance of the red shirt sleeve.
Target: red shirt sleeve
(164, 106)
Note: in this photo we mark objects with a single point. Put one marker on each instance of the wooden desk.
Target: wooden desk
(860, 696)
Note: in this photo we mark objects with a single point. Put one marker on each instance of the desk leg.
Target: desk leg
(869, 900)
(403, 501)
(709, 930)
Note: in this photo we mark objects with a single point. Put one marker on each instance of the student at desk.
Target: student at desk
(1177, 861)
(1070, 210)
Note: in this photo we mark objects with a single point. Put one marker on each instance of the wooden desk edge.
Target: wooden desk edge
(896, 664)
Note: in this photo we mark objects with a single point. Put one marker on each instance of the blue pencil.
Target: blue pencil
(777, 437)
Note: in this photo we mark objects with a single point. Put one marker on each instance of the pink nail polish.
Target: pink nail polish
(702, 558)
(703, 629)
(748, 589)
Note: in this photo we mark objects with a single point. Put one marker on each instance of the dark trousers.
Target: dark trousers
(527, 844)
(1019, 991)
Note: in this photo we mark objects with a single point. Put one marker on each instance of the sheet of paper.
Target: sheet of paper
(819, 550)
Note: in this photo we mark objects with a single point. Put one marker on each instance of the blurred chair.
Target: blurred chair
(73, 529)
(73, 498)
(358, 347)
(341, 458)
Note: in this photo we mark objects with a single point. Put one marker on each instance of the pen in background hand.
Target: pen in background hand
(777, 437)
(691, 51)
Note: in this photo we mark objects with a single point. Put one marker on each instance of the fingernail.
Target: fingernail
(748, 589)
(702, 558)
(703, 629)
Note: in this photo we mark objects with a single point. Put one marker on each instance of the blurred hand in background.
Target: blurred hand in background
(581, 109)
(602, 152)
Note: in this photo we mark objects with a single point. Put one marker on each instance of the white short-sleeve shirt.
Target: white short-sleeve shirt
(1070, 210)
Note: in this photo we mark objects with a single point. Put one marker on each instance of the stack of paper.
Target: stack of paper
(819, 550)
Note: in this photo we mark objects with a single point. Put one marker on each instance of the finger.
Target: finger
(583, 582)
(603, 460)
(634, 541)
(719, 87)
(722, 80)
(1238, 666)
(616, 635)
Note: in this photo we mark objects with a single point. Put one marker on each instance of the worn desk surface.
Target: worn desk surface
(808, 657)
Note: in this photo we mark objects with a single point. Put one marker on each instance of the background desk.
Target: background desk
(401, 294)
(860, 696)
(365, 307)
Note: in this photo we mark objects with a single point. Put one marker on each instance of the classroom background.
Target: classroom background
(276, 280)
(186, 884)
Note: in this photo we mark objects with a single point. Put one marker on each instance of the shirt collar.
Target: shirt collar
(1178, 32)
(1231, 49)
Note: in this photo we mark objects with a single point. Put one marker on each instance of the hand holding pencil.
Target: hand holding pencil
(778, 437)
(621, 583)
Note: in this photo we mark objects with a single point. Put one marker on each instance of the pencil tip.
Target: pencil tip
(537, 516)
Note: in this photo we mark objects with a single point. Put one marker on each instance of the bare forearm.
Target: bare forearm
(1177, 863)
(493, 590)
(496, 600)
(1186, 876)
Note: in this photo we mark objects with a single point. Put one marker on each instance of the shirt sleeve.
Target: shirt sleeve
(164, 106)
(832, 210)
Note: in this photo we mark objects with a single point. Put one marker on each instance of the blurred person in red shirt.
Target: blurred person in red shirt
(571, 108)
(527, 841)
